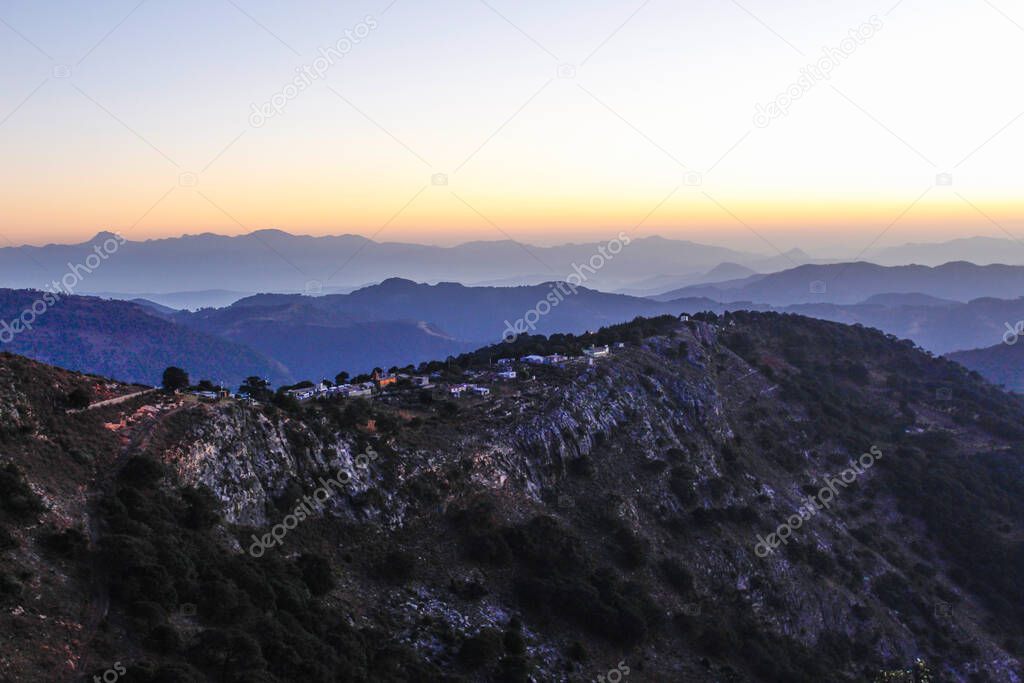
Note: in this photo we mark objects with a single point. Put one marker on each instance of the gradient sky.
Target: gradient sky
(104, 105)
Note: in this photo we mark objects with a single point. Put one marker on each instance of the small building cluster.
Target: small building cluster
(559, 359)
(213, 395)
(457, 390)
(506, 371)
(377, 382)
(322, 390)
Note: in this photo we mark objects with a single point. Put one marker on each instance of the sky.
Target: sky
(827, 126)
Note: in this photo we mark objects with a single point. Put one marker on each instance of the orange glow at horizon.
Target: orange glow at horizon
(448, 215)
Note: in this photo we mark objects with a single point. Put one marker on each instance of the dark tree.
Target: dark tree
(285, 401)
(316, 573)
(256, 388)
(79, 398)
(175, 379)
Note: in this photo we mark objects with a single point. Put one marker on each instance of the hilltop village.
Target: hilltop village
(456, 383)
(476, 374)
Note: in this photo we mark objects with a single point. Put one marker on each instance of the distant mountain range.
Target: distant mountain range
(124, 340)
(275, 261)
(208, 270)
(850, 283)
(473, 314)
(1001, 364)
(979, 250)
(653, 286)
(289, 337)
(314, 339)
(934, 327)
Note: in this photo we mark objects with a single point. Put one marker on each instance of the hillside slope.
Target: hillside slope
(480, 315)
(850, 283)
(316, 341)
(592, 518)
(1002, 364)
(125, 340)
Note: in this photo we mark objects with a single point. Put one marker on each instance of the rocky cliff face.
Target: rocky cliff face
(248, 459)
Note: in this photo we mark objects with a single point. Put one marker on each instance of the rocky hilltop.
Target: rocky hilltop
(754, 497)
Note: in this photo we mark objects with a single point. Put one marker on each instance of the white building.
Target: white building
(533, 359)
(356, 390)
(508, 374)
(596, 351)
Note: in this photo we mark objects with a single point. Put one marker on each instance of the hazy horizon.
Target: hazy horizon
(742, 246)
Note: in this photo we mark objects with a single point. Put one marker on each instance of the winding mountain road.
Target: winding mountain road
(114, 401)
